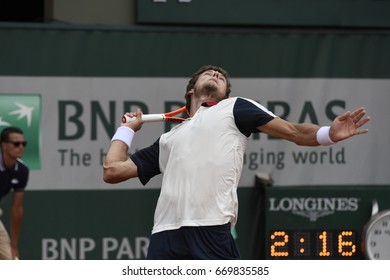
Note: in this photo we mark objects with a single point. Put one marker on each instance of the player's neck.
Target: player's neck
(198, 103)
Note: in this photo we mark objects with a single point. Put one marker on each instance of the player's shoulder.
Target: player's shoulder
(22, 166)
(238, 102)
(241, 101)
(248, 104)
(234, 99)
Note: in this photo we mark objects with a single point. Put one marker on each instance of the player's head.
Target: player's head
(195, 77)
(12, 141)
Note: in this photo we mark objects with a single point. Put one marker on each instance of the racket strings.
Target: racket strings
(174, 119)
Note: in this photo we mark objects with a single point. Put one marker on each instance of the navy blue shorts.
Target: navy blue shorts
(194, 243)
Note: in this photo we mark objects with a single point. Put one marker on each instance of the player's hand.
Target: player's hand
(137, 123)
(348, 124)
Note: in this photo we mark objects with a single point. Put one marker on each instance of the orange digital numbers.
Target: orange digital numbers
(279, 244)
(323, 238)
(312, 244)
(346, 246)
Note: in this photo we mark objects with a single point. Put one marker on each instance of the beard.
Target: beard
(210, 87)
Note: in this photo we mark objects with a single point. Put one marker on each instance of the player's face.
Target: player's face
(14, 147)
(213, 83)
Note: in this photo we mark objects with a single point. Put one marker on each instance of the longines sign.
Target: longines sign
(314, 207)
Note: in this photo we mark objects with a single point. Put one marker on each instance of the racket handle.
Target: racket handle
(145, 118)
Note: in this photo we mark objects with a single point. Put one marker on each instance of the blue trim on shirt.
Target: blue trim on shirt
(248, 116)
(147, 162)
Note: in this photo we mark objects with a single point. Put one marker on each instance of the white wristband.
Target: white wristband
(323, 136)
(124, 134)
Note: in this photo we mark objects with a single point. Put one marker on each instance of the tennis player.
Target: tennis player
(201, 161)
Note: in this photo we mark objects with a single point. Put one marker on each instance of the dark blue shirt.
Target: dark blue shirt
(15, 178)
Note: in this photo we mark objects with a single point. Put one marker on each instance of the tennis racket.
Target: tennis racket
(167, 117)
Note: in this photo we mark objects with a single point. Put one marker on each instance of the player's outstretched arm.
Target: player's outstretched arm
(305, 134)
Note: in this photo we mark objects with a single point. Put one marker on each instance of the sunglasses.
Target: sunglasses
(18, 143)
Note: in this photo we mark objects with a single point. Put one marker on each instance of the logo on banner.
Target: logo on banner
(24, 111)
(314, 207)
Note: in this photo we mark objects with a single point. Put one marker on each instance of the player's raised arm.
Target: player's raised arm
(117, 166)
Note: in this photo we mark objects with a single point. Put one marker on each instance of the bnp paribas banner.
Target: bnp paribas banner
(69, 122)
(24, 111)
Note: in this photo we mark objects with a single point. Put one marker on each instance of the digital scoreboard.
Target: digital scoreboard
(313, 244)
(323, 222)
